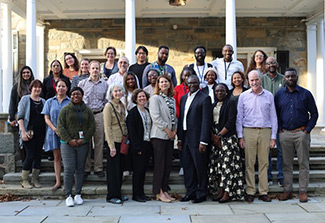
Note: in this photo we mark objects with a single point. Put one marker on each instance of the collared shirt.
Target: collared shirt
(272, 84)
(296, 109)
(226, 69)
(256, 110)
(200, 71)
(211, 92)
(188, 103)
(94, 93)
(162, 70)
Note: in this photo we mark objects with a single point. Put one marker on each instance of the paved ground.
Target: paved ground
(155, 211)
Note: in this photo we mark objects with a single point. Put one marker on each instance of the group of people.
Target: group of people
(218, 118)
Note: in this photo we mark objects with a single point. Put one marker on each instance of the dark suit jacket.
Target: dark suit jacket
(227, 116)
(135, 129)
(205, 90)
(48, 91)
(199, 120)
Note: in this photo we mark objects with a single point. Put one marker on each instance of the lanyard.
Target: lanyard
(201, 76)
(226, 69)
(79, 114)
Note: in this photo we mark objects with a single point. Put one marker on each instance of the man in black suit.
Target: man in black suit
(194, 126)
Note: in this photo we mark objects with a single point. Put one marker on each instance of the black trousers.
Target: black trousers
(163, 154)
(140, 163)
(195, 170)
(33, 150)
(114, 172)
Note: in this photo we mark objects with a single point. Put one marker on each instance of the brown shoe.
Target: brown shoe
(249, 198)
(285, 196)
(265, 198)
(303, 197)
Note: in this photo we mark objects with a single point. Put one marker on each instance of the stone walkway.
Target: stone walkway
(154, 212)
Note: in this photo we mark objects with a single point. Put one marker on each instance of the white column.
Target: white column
(311, 57)
(1, 82)
(320, 83)
(130, 30)
(7, 57)
(31, 36)
(231, 37)
(40, 52)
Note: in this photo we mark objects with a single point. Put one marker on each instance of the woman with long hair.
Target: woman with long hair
(237, 81)
(49, 89)
(83, 73)
(51, 112)
(257, 62)
(129, 84)
(71, 65)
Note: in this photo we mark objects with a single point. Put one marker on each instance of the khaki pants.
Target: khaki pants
(98, 140)
(257, 143)
(291, 142)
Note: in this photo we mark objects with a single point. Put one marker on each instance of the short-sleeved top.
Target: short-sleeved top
(52, 108)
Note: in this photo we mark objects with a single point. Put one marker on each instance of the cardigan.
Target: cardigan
(111, 127)
(69, 123)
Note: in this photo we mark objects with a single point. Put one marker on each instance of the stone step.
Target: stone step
(95, 191)
(315, 163)
(48, 178)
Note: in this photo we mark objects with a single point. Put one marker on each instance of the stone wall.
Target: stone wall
(283, 33)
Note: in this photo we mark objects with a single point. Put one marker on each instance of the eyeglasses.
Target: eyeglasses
(260, 56)
(271, 63)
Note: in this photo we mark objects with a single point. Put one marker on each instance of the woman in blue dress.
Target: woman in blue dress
(51, 112)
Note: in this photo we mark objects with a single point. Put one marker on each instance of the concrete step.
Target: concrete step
(95, 191)
(316, 163)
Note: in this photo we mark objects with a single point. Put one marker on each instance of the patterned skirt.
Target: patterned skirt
(226, 163)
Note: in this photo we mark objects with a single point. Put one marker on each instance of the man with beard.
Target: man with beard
(194, 133)
(95, 98)
(273, 81)
(161, 66)
(141, 54)
(297, 115)
(256, 126)
(199, 67)
(123, 65)
(226, 66)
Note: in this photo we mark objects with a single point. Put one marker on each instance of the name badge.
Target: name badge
(81, 134)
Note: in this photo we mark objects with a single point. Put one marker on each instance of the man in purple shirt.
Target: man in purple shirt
(256, 129)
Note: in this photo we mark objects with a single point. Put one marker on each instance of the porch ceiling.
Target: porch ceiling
(92, 9)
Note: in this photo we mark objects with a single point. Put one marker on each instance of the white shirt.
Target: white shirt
(188, 103)
(211, 92)
(118, 78)
(227, 68)
(200, 70)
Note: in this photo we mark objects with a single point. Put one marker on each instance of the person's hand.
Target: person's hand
(112, 152)
(24, 136)
(73, 143)
(179, 144)
(13, 123)
(202, 148)
(171, 134)
(80, 142)
(216, 140)
(272, 143)
(56, 131)
(242, 143)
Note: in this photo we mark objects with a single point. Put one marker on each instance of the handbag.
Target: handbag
(125, 143)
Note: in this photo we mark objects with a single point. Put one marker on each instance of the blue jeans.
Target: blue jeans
(279, 162)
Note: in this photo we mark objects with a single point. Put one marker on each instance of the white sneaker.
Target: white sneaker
(181, 172)
(78, 199)
(69, 202)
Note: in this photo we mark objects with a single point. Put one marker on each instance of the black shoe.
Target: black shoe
(139, 199)
(249, 198)
(187, 198)
(146, 197)
(86, 174)
(199, 200)
(265, 198)
(100, 174)
(50, 158)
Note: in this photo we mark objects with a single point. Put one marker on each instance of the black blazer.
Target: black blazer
(205, 90)
(135, 129)
(227, 116)
(48, 90)
(199, 120)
